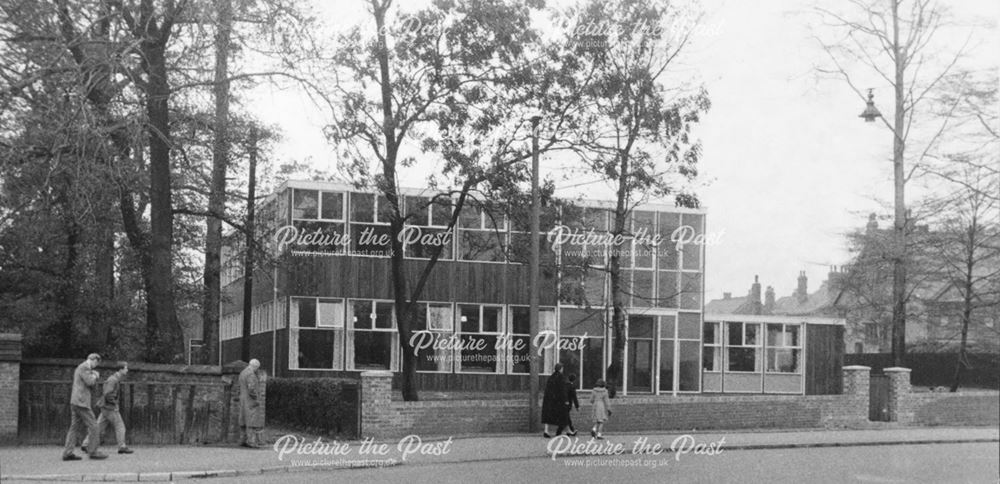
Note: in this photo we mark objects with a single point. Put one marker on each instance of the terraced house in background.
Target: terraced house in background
(323, 305)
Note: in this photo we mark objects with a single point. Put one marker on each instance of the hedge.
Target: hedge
(323, 405)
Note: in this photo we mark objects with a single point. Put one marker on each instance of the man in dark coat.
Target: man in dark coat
(251, 406)
(555, 402)
(82, 418)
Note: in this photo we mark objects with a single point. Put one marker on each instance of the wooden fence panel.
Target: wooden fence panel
(154, 412)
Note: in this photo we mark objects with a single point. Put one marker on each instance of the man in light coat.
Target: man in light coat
(251, 405)
(109, 411)
(82, 418)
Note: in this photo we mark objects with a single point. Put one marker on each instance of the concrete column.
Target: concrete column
(376, 400)
(10, 383)
(900, 401)
(857, 380)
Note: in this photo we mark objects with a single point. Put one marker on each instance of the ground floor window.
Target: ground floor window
(480, 327)
(372, 340)
(316, 334)
(743, 347)
(784, 348)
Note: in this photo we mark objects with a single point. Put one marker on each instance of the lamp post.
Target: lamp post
(533, 281)
(870, 114)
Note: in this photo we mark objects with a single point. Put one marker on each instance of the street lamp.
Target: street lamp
(871, 113)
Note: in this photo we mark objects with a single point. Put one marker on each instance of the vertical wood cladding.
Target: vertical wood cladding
(371, 278)
(824, 359)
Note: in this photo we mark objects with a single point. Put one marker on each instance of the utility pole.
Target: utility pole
(249, 261)
(533, 282)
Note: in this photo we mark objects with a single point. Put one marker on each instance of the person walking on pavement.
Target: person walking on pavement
(555, 405)
(251, 410)
(81, 414)
(109, 411)
(601, 408)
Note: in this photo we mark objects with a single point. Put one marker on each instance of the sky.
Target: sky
(788, 168)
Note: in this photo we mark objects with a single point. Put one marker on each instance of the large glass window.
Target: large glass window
(520, 338)
(316, 336)
(373, 335)
(435, 324)
(784, 348)
(482, 235)
(743, 342)
(424, 233)
(370, 232)
(480, 327)
(581, 333)
(318, 217)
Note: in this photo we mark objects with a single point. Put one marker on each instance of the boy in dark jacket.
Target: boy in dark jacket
(573, 402)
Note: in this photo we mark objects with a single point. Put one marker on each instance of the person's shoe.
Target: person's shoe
(546, 435)
(124, 450)
(599, 436)
(571, 434)
(245, 444)
(593, 433)
(98, 456)
(72, 457)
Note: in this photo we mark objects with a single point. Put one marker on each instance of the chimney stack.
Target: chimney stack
(769, 299)
(803, 290)
(755, 295)
(727, 296)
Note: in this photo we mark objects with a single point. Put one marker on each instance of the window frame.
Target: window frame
(757, 347)
(295, 333)
(783, 346)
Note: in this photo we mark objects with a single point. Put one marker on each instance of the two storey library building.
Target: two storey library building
(323, 305)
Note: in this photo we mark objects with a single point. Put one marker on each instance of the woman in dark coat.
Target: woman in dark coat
(555, 403)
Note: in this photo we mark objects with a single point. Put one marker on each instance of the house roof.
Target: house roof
(726, 306)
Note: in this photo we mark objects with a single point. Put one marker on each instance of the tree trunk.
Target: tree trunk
(217, 193)
(249, 261)
(68, 291)
(162, 330)
(899, 223)
(967, 301)
(617, 367)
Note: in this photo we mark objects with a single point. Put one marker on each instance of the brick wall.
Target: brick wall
(384, 418)
(10, 369)
(963, 408)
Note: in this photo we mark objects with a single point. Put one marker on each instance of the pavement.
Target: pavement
(298, 452)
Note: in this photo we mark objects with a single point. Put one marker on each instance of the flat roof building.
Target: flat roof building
(324, 305)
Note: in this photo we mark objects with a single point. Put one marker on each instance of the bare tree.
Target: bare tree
(895, 41)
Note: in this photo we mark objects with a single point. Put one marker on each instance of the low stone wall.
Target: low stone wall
(384, 418)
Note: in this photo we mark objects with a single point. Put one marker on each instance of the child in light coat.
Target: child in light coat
(601, 406)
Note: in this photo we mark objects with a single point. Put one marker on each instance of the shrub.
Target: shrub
(323, 405)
